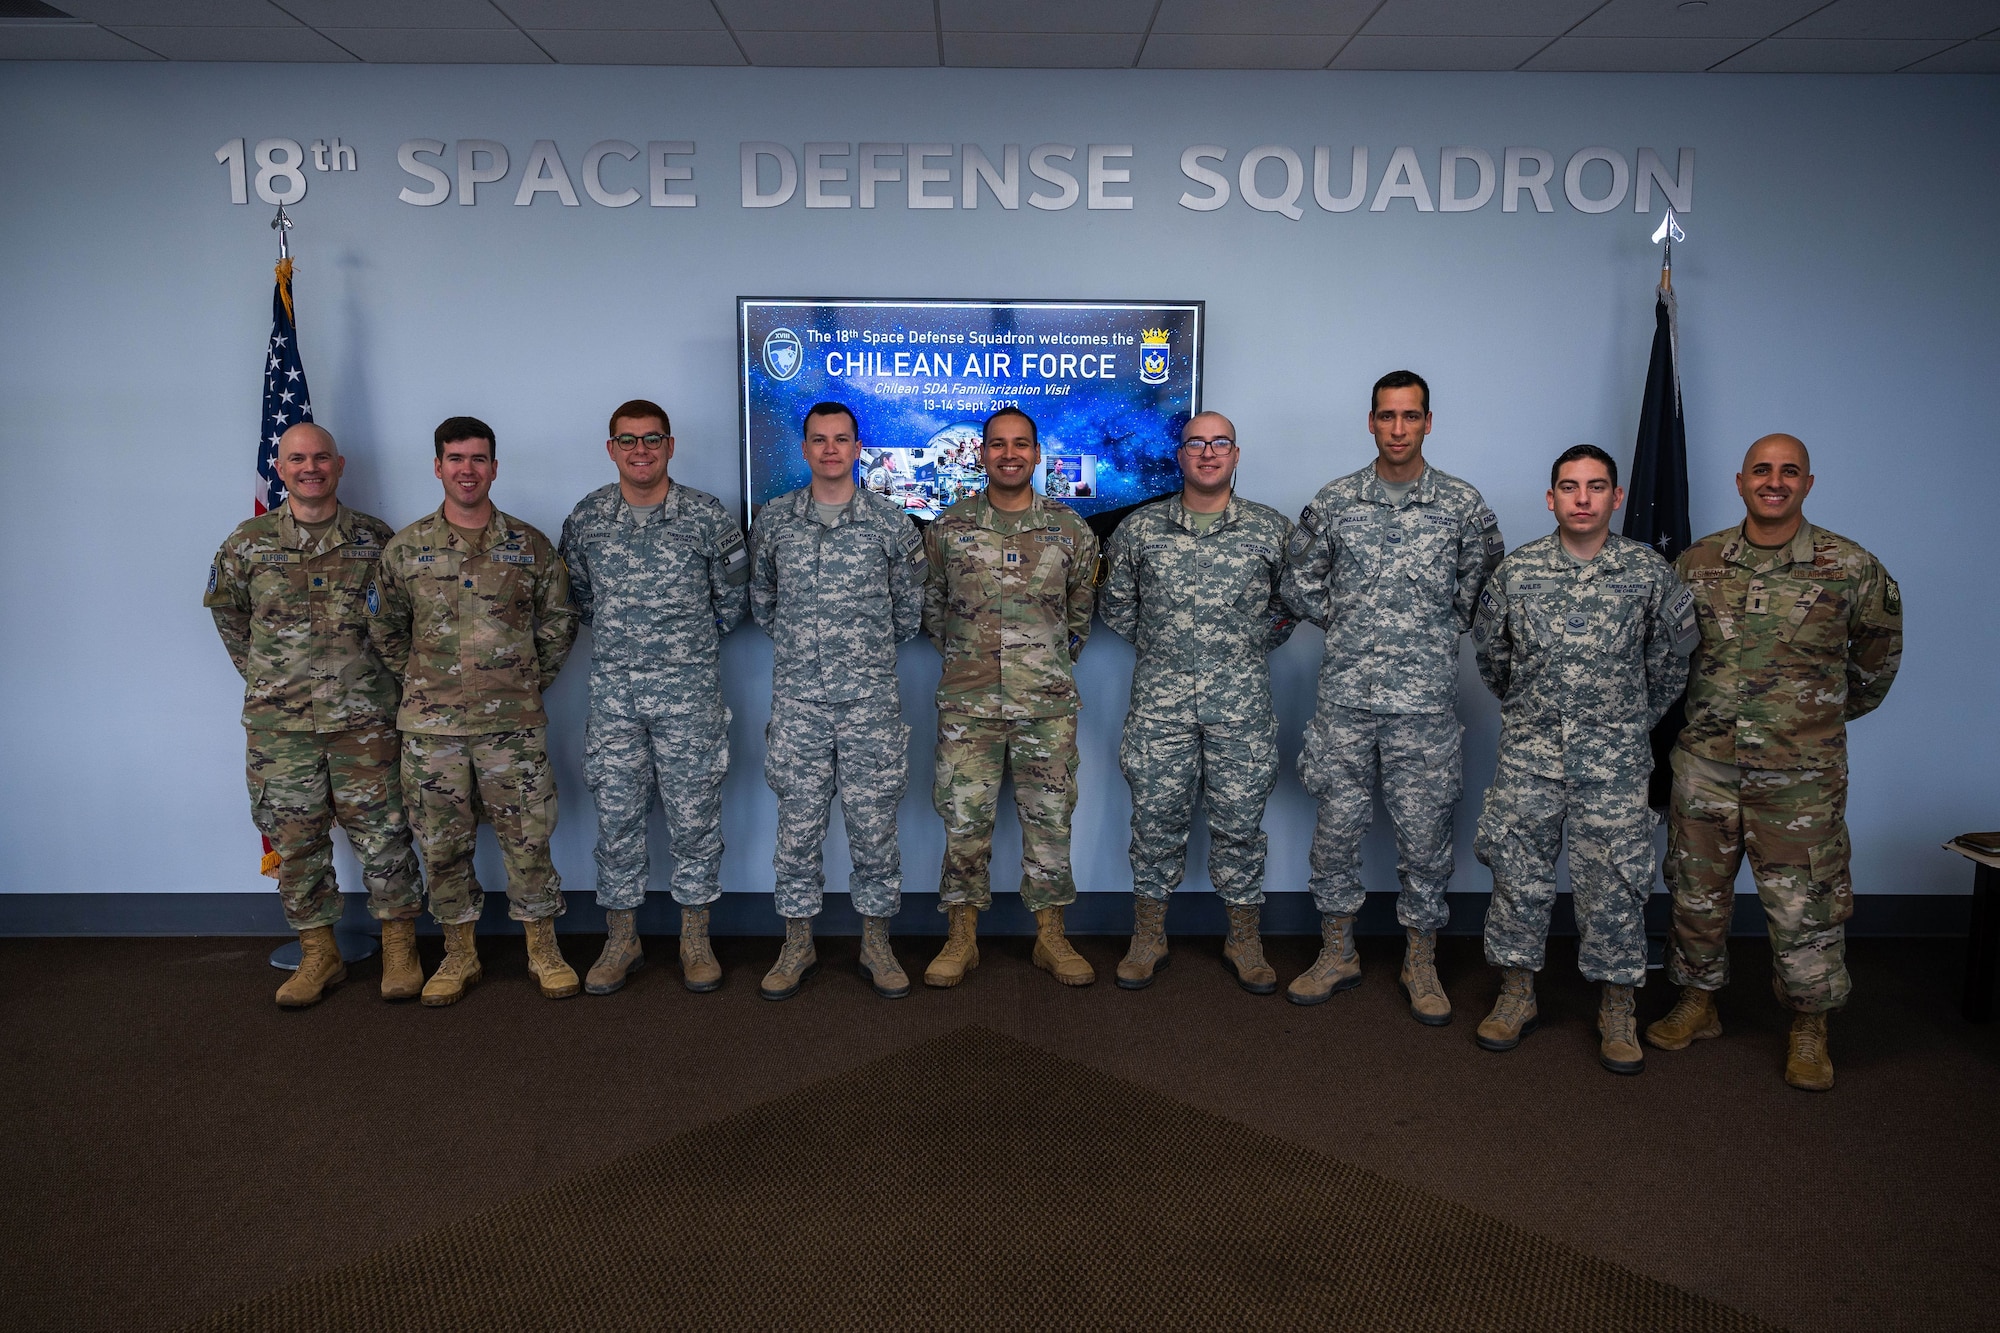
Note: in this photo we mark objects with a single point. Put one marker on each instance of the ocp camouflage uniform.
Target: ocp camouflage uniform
(658, 589)
(1202, 609)
(836, 601)
(1393, 584)
(1585, 658)
(476, 633)
(1795, 643)
(319, 709)
(1008, 602)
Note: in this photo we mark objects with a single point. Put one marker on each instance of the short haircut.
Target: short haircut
(1399, 379)
(1576, 451)
(453, 429)
(987, 425)
(636, 408)
(830, 409)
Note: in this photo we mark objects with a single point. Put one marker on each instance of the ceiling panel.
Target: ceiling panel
(1452, 53)
(1041, 51)
(1174, 50)
(1965, 58)
(294, 43)
(1477, 18)
(1676, 18)
(1830, 56)
(66, 41)
(831, 15)
(609, 15)
(398, 13)
(1337, 17)
(1900, 18)
(1636, 55)
(622, 47)
(850, 50)
(438, 46)
(180, 13)
(1029, 16)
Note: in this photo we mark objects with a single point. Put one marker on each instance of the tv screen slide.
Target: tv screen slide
(1108, 383)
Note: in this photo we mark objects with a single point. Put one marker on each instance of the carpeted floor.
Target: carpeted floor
(174, 1145)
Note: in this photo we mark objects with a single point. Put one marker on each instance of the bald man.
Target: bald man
(289, 591)
(1801, 632)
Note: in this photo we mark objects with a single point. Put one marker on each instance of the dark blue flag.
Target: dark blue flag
(286, 402)
(1656, 501)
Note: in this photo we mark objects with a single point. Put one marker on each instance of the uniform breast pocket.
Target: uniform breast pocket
(1817, 619)
(1047, 577)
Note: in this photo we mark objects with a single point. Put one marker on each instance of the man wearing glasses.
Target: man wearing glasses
(1390, 562)
(660, 573)
(1193, 583)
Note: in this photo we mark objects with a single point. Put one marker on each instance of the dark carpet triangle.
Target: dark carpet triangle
(974, 1181)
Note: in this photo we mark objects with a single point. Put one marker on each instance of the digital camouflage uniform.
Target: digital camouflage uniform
(1795, 643)
(1202, 609)
(1008, 602)
(658, 590)
(476, 633)
(319, 709)
(1584, 658)
(1393, 584)
(836, 601)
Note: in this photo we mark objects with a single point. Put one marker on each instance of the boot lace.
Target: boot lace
(1809, 1041)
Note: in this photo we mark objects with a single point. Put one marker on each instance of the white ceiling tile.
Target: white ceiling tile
(295, 43)
(1176, 50)
(1900, 18)
(66, 41)
(612, 15)
(1454, 53)
(1012, 50)
(1477, 18)
(1336, 17)
(180, 13)
(831, 15)
(1676, 18)
(440, 46)
(398, 13)
(624, 47)
(1636, 55)
(1027, 16)
(842, 50)
(1965, 58)
(1780, 55)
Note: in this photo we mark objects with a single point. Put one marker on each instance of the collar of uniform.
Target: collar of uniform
(803, 502)
(1422, 491)
(637, 516)
(1179, 512)
(1035, 515)
(292, 534)
(1740, 550)
(444, 534)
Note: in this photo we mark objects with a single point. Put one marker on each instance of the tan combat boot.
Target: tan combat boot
(1148, 951)
(460, 968)
(1337, 968)
(1243, 951)
(1808, 1062)
(1617, 1030)
(1053, 953)
(1514, 1014)
(699, 970)
(546, 964)
(961, 947)
(1428, 1004)
(402, 974)
(1693, 1018)
(878, 960)
(320, 969)
(622, 955)
(796, 961)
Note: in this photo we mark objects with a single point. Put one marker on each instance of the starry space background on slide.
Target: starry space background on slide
(1132, 427)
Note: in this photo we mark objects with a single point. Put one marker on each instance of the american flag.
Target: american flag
(286, 401)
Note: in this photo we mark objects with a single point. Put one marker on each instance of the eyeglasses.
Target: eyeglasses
(651, 439)
(1220, 445)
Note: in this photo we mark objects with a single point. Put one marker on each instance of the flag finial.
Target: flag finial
(282, 224)
(1669, 231)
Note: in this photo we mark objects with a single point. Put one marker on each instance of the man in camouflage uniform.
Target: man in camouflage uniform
(1390, 562)
(288, 591)
(1008, 603)
(837, 580)
(1801, 632)
(470, 608)
(658, 571)
(1192, 581)
(1584, 638)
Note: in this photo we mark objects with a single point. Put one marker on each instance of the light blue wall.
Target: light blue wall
(1840, 282)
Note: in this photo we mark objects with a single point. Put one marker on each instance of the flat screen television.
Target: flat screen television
(1108, 383)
